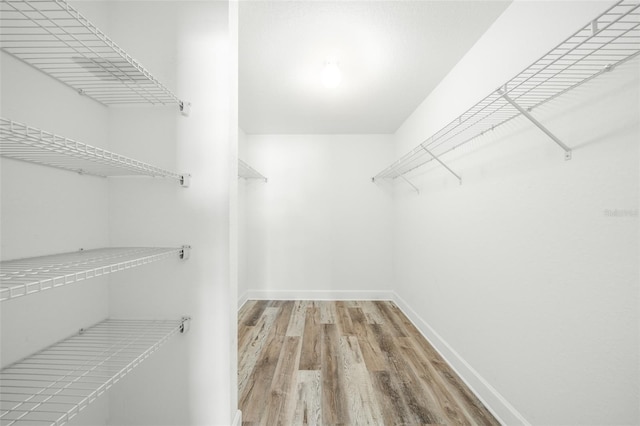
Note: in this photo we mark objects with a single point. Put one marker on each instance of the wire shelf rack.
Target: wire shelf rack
(55, 38)
(608, 41)
(53, 385)
(245, 171)
(22, 142)
(22, 277)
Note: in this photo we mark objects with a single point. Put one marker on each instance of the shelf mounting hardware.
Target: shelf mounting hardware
(409, 182)
(186, 324)
(442, 164)
(567, 151)
(185, 108)
(185, 252)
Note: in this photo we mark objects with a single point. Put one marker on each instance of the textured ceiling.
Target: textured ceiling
(392, 54)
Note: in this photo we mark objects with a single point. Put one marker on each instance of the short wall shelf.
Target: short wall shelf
(22, 142)
(245, 171)
(604, 43)
(53, 385)
(53, 37)
(23, 277)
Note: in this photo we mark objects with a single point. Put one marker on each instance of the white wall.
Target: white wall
(319, 228)
(187, 44)
(243, 257)
(519, 276)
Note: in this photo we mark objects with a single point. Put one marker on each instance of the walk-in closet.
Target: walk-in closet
(266, 212)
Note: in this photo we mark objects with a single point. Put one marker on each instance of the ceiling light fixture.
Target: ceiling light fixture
(331, 75)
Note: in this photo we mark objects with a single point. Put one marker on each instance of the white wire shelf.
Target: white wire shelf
(245, 171)
(53, 37)
(22, 142)
(608, 41)
(22, 277)
(53, 385)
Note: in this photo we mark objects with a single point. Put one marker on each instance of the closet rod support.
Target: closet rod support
(186, 324)
(442, 164)
(185, 180)
(567, 150)
(185, 252)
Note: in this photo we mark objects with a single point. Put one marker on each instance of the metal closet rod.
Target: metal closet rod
(609, 40)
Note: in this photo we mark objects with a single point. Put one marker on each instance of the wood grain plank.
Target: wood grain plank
(280, 404)
(308, 403)
(334, 399)
(296, 324)
(431, 381)
(361, 398)
(327, 312)
(252, 347)
(343, 319)
(311, 341)
(255, 312)
(256, 389)
(373, 356)
(390, 318)
(422, 408)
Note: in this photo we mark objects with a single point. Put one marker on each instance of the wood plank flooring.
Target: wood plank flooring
(344, 363)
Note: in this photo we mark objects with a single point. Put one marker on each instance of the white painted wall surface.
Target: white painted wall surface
(319, 227)
(243, 241)
(187, 43)
(519, 276)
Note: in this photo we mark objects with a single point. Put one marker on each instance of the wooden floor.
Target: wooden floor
(344, 363)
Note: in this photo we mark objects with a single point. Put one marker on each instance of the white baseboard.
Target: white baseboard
(488, 395)
(237, 419)
(319, 295)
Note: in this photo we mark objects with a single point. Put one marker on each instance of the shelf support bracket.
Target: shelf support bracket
(185, 108)
(567, 150)
(186, 324)
(185, 180)
(409, 182)
(442, 164)
(185, 252)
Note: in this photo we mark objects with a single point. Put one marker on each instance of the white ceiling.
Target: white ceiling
(392, 54)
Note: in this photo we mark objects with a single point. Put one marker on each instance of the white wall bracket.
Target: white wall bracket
(185, 252)
(185, 180)
(185, 108)
(186, 324)
(442, 164)
(567, 151)
(409, 182)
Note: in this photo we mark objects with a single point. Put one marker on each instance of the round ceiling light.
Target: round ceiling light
(331, 75)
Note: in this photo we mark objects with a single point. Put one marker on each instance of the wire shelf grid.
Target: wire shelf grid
(22, 277)
(53, 385)
(245, 171)
(55, 38)
(610, 40)
(22, 142)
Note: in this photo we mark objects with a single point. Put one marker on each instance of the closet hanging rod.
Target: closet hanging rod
(22, 142)
(245, 171)
(52, 36)
(54, 385)
(606, 42)
(23, 277)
